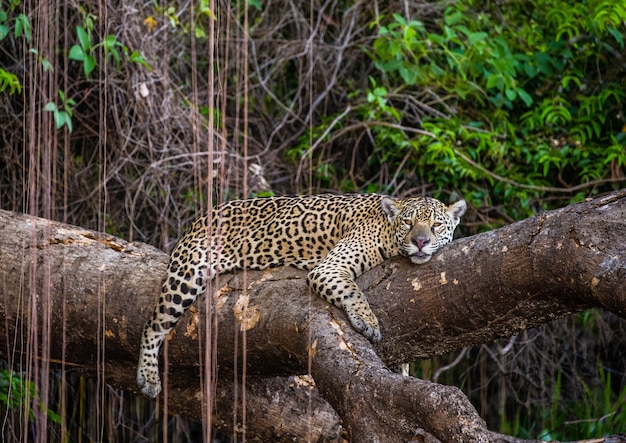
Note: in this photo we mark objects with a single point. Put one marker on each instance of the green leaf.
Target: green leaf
(256, 4)
(116, 55)
(618, 36)
(11, 81)
(84, 39)
(110, 42)
(530, 70)
(53, 416)
(68, 122)
(544, 64)
(527, 99)
(494, 80)
(510, 94)
(76, 53)
(408, 75)
(89, 64)
(380, 91)
(200, 34)
(47, 66)
(59, 118)
(136, 57)
(453, 18)
(476, 37)
(22, 26)
(398, 18)
(436, 70)
(50, 107)
(4, 31)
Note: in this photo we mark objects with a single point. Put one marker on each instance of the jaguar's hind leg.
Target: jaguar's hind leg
(186, 280)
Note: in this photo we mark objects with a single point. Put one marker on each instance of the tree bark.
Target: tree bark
(100, 290)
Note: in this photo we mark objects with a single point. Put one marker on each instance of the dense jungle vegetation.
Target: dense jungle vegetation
(131, 117)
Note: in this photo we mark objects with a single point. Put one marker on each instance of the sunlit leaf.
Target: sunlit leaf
(76, 53)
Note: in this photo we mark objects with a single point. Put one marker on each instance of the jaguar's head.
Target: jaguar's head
(422, 225)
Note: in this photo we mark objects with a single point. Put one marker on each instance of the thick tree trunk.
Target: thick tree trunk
(99, 291)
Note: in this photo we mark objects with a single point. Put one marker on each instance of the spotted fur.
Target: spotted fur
(337, 237)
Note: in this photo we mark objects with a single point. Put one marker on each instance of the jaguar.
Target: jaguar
(335, 237)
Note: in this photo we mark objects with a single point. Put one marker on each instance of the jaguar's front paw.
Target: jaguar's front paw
(367, 325)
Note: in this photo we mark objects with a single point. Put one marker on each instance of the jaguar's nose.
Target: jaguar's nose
(420, 241)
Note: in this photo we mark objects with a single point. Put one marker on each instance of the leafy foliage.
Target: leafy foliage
(11, 81)
(62, 114)
(21, 29)
(16, 392)
(85, 51)
(82, 52)
(599, 412)
(522, 104)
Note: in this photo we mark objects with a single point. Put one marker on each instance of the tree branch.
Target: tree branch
(474, 290)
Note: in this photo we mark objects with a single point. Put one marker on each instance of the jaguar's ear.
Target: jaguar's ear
(456, 211)
(390, 208)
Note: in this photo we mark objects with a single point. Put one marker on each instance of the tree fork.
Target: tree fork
(473, 291)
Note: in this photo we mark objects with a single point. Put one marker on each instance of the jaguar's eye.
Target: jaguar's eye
(436, 224)
(408, 221)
